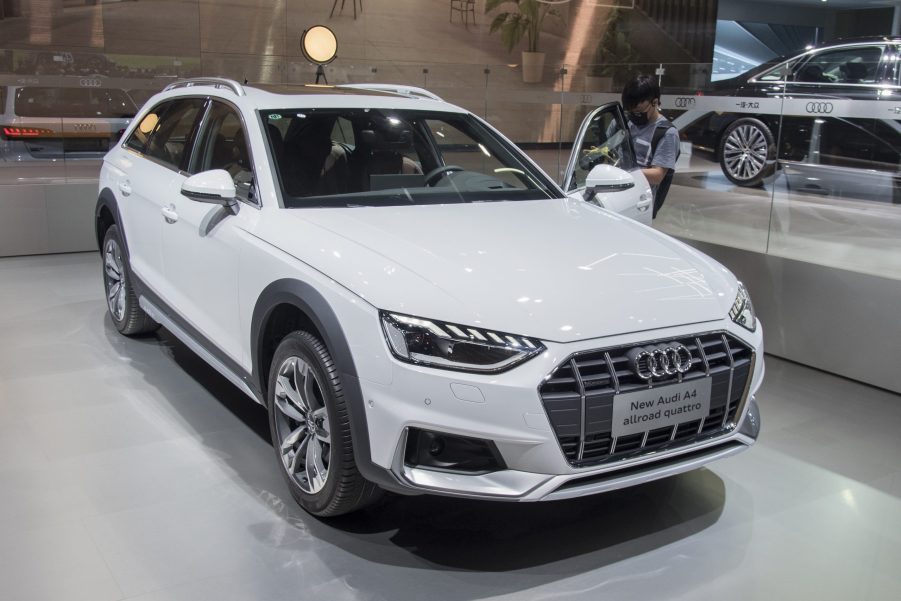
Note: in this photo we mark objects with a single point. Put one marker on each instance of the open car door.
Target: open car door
(602, 168)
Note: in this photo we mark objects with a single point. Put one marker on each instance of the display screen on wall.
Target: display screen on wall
(740, 46)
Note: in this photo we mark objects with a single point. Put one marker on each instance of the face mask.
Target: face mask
(638, 119)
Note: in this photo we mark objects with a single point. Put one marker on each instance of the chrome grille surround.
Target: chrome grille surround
(578, 398)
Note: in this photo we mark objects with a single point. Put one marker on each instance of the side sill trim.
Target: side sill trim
(157, 315)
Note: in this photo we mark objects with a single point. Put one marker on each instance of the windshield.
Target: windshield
(383, 157)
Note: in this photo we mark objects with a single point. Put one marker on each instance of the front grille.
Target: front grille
(578, 398)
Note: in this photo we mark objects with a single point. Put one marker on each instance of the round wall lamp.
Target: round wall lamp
(319, 46)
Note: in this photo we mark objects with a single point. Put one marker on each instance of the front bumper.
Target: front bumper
(507, 409)
(513, 485)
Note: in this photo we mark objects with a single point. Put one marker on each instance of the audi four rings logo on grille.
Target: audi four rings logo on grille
(90, 83)
(684, 102)
(666, 359)
(819, 108)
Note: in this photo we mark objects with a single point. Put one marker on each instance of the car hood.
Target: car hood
(559, 270)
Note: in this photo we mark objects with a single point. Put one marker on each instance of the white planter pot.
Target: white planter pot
(532, 66)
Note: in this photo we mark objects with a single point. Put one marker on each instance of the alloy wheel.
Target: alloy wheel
(745, 152)
(114, 279)
(302, 425)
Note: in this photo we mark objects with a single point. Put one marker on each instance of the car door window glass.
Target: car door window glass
(224, 146)
(778, 72)
(857, 64)
(606, 141)
(173, 131)
(137, 140)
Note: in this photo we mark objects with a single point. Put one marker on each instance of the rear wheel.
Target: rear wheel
(747, 151)
(126, 313)
(311, 429)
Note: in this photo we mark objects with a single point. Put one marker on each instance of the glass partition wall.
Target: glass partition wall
(825, 191)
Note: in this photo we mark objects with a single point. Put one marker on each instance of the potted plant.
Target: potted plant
(525, 21)
(615, 53)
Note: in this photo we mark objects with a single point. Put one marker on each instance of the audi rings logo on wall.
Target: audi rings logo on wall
(90, 82)
(684, 102)
(819, 108)
(666, 359)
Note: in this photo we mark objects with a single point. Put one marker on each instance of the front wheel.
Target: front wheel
(747, 152)
(310, 429)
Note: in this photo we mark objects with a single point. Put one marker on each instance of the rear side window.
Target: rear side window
(2, 99)
(857, 64)
(170, 130)
(83, 103)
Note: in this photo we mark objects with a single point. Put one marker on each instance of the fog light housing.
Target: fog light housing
(452, 453)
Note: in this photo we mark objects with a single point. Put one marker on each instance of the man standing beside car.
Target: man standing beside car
(655, 138)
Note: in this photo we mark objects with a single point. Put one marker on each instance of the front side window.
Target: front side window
(606, 141)
(381, 157)
(857, 64)
(171, 129)
(223, 145)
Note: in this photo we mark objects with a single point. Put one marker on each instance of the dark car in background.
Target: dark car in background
(823, 117)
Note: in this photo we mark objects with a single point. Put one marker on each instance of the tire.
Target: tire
(121, 301)
(310, 429)
(747, 151)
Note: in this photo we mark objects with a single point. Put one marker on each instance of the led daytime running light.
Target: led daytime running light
(454, 346)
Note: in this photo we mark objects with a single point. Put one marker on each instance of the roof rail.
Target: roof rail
(216, 82)
(411, 91)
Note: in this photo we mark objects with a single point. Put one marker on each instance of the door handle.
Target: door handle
(644, 202)
(125, 188)
(170, 214)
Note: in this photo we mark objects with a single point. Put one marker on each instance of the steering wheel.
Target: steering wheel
(431, 175)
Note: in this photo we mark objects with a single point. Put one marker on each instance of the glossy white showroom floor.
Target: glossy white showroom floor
(130, 470)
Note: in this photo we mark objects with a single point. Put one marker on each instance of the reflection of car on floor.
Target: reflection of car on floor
(419, 306)
(827, 135)
(43, 123)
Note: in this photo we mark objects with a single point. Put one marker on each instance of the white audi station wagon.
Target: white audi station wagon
(420, 308)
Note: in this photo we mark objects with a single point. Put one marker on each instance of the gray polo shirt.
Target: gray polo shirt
(667, 149)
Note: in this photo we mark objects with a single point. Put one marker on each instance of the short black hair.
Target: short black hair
(639, 89)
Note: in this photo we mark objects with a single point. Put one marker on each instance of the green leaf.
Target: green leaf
(498, 21)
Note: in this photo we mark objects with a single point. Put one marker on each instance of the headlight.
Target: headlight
(449, 346)
(742, 311)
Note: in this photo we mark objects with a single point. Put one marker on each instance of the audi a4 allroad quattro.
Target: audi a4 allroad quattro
(420, 308)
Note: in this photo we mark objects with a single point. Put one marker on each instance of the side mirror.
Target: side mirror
(214, 187)
(604, 179)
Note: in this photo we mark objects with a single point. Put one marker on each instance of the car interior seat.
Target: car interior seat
(854, 72)
(384, 153)
(312, 164)
(811, 73)
(230, 154)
